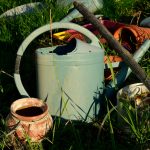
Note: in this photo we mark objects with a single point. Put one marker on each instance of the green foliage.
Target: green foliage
(143, 6)
(116, 8)
(22, 25)
(135, 120)
(124, 10)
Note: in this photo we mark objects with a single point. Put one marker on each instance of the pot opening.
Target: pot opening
(128, 39)
(29, 111)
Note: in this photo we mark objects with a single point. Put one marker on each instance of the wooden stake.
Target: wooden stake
(127, 57)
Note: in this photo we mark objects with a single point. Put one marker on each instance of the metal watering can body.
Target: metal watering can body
(70, 77)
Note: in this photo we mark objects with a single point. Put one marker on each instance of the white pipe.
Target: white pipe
(26, 8)
(92, 5)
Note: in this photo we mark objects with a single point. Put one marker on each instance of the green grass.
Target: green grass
(135, 121)
(100, 134)
(126, 10)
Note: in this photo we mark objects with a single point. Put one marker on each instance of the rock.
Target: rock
(145, 22)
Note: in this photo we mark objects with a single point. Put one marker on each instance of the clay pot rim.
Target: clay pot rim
(28, 118)
(130, 28)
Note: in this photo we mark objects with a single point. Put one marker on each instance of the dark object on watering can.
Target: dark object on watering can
(65, 49)
(29, 111)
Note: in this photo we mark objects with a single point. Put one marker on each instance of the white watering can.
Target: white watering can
(70, 77)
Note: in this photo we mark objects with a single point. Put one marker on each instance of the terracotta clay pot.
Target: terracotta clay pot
(132, 36)
(112, 26)
(29, 117)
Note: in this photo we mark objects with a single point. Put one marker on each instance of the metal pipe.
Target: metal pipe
(140, 53)
(93, 6)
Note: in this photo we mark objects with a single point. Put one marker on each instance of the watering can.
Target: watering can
(70, 77)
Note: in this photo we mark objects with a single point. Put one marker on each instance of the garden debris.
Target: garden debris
(130, 36)
(127, 57)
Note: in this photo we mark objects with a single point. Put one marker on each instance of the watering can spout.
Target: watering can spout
(82, 47)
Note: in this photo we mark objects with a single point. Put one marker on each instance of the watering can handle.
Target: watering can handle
(39, 31)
